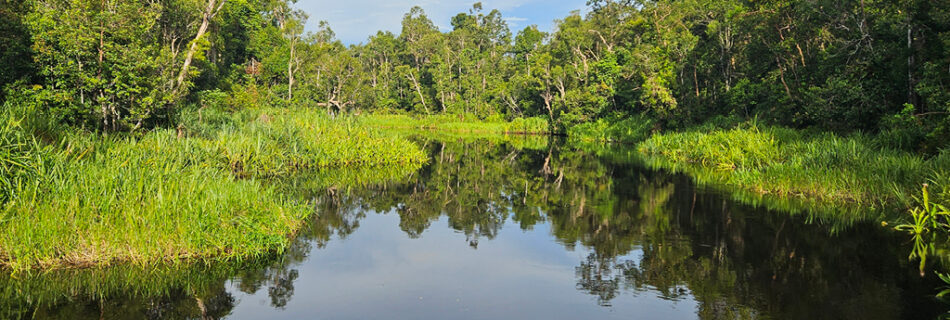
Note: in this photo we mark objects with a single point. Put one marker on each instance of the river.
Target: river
(519, 228)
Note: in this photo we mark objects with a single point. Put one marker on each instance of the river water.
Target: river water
(519, 228)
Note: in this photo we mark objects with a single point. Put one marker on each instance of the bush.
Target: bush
(902, 131)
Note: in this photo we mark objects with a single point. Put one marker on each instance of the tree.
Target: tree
(97, 60)
(16, 58)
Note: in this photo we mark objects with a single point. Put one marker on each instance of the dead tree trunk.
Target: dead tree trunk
(210, 11)
(415, 82)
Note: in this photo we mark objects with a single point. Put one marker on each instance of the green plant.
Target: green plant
(457, 123)
(927, 216)
(815, 167)
(173, 194)
(626, 130)
(944, 292)
(21, 156)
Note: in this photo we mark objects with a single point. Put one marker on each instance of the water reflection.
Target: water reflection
(195, 292)
(524, 231)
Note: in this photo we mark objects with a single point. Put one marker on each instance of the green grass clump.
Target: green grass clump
(458, 123)
(176, 194)
(629, 130)
(129, 201)
(280, 142)
(21, 155)
(940, 178)
(520, 141)
(822, 168)
(535, 125)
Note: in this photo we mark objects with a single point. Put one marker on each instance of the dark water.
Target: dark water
(519, 230)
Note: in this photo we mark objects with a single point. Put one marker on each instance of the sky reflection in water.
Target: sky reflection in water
(518, 229)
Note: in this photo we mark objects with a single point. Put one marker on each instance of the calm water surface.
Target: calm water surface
(518, 229)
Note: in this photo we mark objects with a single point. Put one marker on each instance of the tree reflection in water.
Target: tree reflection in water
(646, 232)
(658, 233)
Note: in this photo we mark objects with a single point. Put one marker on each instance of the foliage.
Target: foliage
(16, 60)
(111, 65)
(681, 63)
(928, 224)
(100, 63)
(928, 216)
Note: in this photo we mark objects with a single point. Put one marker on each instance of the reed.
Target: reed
(823, 168)
(21, 155)
(629, 130)
(458, 123)
(175, 194)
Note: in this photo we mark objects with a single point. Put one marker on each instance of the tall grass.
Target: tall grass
(129, 204)
(940, 178)
(21, 155)
(630, 130)
(280, 142)
(519, 142)
(458, 123)
(177, 194)
(823, 168)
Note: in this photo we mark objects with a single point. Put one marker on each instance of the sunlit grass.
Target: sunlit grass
(176, 194)
(822, 168)
(630, 130)
(458, 123)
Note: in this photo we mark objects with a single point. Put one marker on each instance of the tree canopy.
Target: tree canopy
(844, 66)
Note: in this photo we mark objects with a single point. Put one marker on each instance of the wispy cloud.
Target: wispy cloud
(515, 22)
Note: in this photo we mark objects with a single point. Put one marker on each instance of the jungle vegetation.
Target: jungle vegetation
(197, 104)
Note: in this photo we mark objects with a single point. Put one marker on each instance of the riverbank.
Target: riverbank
(814, 170)
(206, 189)
(457, 123)
(817, 168)
(199, 191)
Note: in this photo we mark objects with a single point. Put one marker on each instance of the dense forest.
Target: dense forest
(838, 102)
(872, 66)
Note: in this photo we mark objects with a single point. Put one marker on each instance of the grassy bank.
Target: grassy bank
(773, 166)
(818, 168)
(621, 130)
(198, 191)
(458, 123)
(629, 130)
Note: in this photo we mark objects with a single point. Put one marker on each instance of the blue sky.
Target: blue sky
(355, 20)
